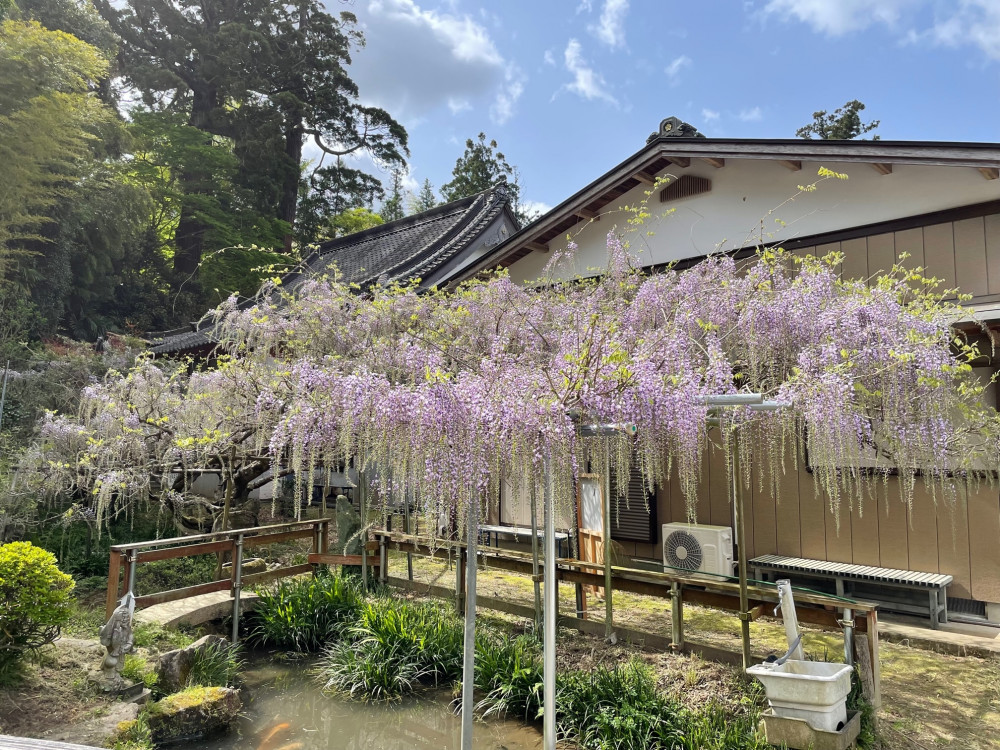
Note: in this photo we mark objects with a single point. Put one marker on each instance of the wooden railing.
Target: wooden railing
(125, 558)
(814, 608)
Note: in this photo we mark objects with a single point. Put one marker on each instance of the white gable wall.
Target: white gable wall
(745, 191)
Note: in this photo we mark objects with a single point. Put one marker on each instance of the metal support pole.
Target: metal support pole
(383, 561)
(468, 662)
(534, 560)
(406, 521)
(237, 587)
(3, 392)
(609, 619)
(849, 637)
(362, 499)
(551, 602)
(133, 557)
(741, 541)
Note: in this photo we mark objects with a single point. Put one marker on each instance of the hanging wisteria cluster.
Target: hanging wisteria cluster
(442, 395)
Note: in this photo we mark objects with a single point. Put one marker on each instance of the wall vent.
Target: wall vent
(685, 186)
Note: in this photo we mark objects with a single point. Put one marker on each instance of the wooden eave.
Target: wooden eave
(666, 154)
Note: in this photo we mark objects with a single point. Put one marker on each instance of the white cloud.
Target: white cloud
(957, 23)
(503, 105)
(535, 207)
(418, 60)
(584, 7)
(676, 65)
(587, 82)
(549, 57)
(709, 115)
(837, 17)
(975, 21)
(610, 27)
(751, 115)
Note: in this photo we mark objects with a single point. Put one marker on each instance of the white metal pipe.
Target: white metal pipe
(731, 399)
(770, 406)
(469, 660)
(551, 593)
(787, 603)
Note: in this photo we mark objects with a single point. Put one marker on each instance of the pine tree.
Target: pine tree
(843, 125)
(424, 200)
(392, 207)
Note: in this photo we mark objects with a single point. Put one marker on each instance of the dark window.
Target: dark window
(633, 516)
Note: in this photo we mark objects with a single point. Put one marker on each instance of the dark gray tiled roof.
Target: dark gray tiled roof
(412, 247)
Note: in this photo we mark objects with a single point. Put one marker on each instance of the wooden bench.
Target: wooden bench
(848, 577)
(517, 532)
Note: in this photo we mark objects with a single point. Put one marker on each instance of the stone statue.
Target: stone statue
(116, 637)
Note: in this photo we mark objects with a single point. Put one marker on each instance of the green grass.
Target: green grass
(155, 636)
(303, 614)
(217, 665)
(394, 648)
(137, 669)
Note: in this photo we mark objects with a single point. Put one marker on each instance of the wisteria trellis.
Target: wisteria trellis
(449, 392)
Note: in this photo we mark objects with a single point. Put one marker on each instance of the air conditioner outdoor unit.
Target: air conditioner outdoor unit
(698, 548)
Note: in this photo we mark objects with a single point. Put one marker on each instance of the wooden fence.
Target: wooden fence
(858, 620)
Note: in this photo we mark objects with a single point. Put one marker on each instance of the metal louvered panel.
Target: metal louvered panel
(633, 517)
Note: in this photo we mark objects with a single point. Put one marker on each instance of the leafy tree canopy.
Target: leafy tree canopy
(481, 167)
(843, 124)
(49, 118)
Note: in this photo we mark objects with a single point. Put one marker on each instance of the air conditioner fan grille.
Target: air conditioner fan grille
(683, 551)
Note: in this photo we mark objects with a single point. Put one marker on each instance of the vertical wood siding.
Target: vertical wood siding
(931, 536)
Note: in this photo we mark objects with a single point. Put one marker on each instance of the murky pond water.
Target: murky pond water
(284, 710)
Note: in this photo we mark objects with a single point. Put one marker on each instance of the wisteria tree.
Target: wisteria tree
(445, 394)
(449, 392)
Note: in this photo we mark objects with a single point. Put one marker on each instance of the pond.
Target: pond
(284, 710)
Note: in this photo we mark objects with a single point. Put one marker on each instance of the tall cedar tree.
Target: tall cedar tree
(424, 200)
(843, 125)
(265, 75)
(392, 207)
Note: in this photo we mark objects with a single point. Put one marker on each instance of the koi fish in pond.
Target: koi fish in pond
(274, 735)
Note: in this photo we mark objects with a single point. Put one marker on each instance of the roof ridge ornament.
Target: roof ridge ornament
(674, 127)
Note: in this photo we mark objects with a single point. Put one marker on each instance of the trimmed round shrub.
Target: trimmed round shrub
(34, 600)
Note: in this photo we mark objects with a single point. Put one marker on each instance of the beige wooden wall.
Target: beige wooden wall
(964, 253)
(963, 541)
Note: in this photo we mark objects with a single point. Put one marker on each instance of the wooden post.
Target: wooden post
(324, 537)
(676, 617)
(863, 662)
(114, 570)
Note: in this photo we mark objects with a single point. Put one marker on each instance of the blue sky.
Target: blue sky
(569, 88)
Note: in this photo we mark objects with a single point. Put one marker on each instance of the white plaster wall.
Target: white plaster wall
(747, 191)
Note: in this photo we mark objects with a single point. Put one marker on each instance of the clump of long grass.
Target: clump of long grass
(616, 708)
(217, 665)
(509, 677)
(305, 613)
(717, 728)
(392, 649)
